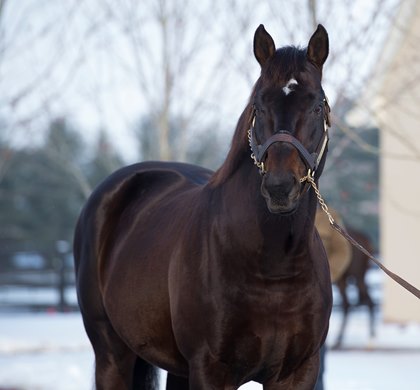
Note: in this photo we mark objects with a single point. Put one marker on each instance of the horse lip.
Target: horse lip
(285, 207)
(282, 211)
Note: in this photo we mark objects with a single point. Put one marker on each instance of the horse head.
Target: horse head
(288, 133)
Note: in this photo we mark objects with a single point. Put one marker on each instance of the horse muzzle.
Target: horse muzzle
(281, 193)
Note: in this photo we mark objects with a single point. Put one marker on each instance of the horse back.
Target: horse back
(115, 204)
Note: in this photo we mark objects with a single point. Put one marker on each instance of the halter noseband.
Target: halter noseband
(311, 160)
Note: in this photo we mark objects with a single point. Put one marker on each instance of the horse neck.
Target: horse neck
(243, 214)
(249, 224)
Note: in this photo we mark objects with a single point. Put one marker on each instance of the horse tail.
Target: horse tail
(145, 376)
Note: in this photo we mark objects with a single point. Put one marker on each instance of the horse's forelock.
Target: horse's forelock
(285, 64)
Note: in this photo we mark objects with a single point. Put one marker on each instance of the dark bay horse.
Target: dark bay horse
(218, 278)
(356, 274)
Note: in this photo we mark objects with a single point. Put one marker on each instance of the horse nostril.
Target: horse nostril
(280, 186)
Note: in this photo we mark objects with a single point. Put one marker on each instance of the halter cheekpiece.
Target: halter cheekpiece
(311, 160)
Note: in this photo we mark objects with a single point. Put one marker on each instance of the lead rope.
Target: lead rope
(339, 229)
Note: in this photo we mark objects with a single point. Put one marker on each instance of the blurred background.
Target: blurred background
(88, 86)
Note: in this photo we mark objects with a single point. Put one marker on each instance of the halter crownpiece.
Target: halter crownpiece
(311, 160)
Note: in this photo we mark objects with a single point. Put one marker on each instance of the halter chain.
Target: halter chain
(309, 178)
(259, 164)
(402, 282)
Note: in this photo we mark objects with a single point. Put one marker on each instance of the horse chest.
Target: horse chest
(283, 314)
(268, 342)
(265, 328)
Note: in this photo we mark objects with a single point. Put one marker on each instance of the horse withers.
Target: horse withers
(219, 278)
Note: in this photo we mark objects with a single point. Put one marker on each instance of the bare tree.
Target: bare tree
(179, 58)
(165, 60)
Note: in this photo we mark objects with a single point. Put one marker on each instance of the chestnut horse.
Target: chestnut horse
(218, 278)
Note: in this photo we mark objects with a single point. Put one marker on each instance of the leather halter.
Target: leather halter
(311, 160)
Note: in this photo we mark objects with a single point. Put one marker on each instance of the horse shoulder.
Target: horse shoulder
(113, 206)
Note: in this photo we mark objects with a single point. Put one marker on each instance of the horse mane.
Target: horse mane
(285, 62)
(239, 149)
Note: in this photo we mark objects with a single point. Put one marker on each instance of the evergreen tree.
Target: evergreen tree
(40, 199)
(205, 149)
(350, 182)
(44, 188)
(105, 160)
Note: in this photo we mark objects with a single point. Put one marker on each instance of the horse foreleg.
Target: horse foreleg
(207, 373)
(116, 366)
(371, 308)
(364, 298)
(174, 382)
(345, 305)
(371, 318)
(303, 378)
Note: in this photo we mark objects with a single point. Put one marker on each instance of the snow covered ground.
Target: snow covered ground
(51, 351)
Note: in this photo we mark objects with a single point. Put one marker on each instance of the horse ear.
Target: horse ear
(264, 46)
(317, 51)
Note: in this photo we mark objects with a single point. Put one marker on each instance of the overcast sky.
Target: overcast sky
(71, 58)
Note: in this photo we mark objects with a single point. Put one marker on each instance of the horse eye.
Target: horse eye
(318, 109)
